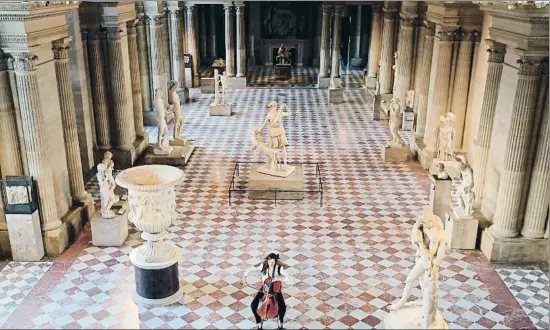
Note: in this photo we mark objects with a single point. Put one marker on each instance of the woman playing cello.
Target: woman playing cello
(272, 271)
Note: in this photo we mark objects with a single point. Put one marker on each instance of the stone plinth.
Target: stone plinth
(207, 85)
(287, 188)
(282, 71)
(285, 173)
(126, 158)
(335, 95)
(220, 110)
(440, 195)
(513, 250)
(25, 236)
(162, 151)
(371, 82)
(395, 153)
(410, 317)
(323, 82)
(178, 157)
(377, 112)
(238, 82)
(110, 232)
(461, 231)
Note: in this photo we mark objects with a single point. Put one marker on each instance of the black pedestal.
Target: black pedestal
(282, 71)
(157, 283)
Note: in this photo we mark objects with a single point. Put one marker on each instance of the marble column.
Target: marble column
(482, 142)
(375, 35)
(336, 42)
(164, 55)
(386, 54)
(505, 219)
(143, 61)
(437, 103)
(174, 36)
(60, 49)
(324, 58)
(34, 136)
(405, 55)
(229, 45)
(84, 37)
(181, 50)
(212, 52)
(10, 157)
(202, 30)
(462, 84)
(423, 81)
(155, 73)
(99, 93)
(241, 41)
(192, 42)
(135, 76)
(536, 212)
(123, 115)
(356, 37)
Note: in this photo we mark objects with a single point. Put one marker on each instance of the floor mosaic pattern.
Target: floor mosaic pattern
(348, 259)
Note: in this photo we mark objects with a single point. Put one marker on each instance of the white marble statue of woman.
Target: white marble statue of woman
(225, 87)
(106, 185)
(277, 135)
(464, 191)
(395, 111)
(428, 237)
(175, 106)
(160, 108)
(216, 87)
(445, 137)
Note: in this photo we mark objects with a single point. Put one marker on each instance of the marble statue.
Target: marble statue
(273, 162)
(175, 106)
(445, 137)
(277, 135)
(283, 55)
(160, 108)
(409, 101)
(219, 63)
(395, 111)
(225, 86)
(396, 57)
(428, 237)
(441, 172)
(107, 185)
(216, 87)
(464, 191)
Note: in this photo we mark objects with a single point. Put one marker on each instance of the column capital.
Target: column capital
(239, 8)
(228, 7)
(407, 21)
(191, 6)
(95, 33)
(496, 51)
(113, 33)
(338, 10)
(326, 9)
(430, 28)
(389, 14)
(60, 48)
(530, 64)
(376, 9)
(447, 35)
(467, 36)
(23, 60)
(84, 33)
(131, 26)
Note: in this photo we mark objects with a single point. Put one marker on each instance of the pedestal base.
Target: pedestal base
(220, 110)
(323, 82)
(377, 112)
(335, 95)
(157, 287)
(238, 82)
(371, 82)
(207, 86)
(282, 173)
(395, 153)
(461, 231)
(162, 151)
(125, 158)
(282, 71)
(288, 188)
(178, 157)
(25, 236)
(410, 317)
(110, 232)
(514, 250)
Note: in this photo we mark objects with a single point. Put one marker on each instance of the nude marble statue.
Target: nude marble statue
(464, 192)
(107, 185)
(216, 87)
(395, 111)
(175, 106)
(225, 86)
(160, 108)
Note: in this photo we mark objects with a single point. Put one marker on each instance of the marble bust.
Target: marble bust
(107, 185)
(441, 172)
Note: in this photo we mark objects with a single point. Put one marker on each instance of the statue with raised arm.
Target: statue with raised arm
(464, 191)
(160, 108)
(395, 111)
(107, 185)
(174, 102)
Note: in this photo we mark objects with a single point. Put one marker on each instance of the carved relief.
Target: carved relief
(17, 195)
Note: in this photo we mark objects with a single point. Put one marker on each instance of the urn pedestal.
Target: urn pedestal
(151, 201)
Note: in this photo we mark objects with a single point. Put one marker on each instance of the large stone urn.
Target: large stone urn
(151, 200)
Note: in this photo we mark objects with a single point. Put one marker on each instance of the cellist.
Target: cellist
(271, 265)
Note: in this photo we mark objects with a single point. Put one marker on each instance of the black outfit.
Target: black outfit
(280, 302)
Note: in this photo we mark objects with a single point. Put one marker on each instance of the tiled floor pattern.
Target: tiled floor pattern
(348, 260)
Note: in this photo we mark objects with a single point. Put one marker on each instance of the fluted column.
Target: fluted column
(135, 77)
(324, 60)
(34, 135)
(405, 46)
(386, 55)
(437, 104)
(202, 30)
(164, 55)
(482, 142)
(241, 41)
(174, 36)
(375, 40)
(68, 118)
(152, 27)
(181, 51)
(229, 45)
(212, 36)
(99, 96)
(505, 220)
(462, 85)
(423, 81)
(336, 42)
(536, 211)
(356, 38)
(143, 61)
(192, 42)
(123, 115)
(84, 32)
(10, 157)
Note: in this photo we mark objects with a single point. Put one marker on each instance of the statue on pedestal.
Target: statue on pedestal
(445, 137)
(283, 55)
(160, 108)
(219, 63)
(220, 80)
(174, 102)
(464, 192)
(409, 102)
(107, 185)
(395, 111)
(225, 87)
(441, 172)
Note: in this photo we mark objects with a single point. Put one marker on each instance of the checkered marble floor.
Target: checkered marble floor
(264, 76)
(348, 259)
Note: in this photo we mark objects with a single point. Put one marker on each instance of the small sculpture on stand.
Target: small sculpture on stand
(409, 102)
(283, 55)
(441, 172)
(395, 111)
(174, 102)
(428, 237)
(163, 146)
(107, 185)
(464, 192)
(220, 106)
(277, 139)
(445, 137)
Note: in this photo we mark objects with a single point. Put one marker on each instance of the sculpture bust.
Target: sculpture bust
(441, 172)
(106, 185)
(445, 137)
(160, 109)
(464, 191)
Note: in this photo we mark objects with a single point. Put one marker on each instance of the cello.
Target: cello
(269, 307)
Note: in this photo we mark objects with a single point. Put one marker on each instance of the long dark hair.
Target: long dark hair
(265, 265)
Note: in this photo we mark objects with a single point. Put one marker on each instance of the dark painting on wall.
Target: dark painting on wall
(286, 20)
